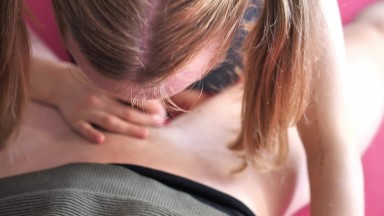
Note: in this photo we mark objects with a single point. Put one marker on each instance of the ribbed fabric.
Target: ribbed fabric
(214, 198)
(94, 189)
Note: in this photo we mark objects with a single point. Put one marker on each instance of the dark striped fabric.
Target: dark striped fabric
(94, 189)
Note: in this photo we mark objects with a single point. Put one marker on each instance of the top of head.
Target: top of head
(146, 41)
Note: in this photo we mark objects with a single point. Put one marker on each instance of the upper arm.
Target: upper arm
(325, 123)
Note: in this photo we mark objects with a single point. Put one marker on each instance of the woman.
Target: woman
(334, 147)
(280, 52)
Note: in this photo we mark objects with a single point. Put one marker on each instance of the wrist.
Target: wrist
(62, 80)
(46, 82)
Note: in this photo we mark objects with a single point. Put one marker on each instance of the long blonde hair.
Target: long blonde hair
(279, 53)
(14, 58)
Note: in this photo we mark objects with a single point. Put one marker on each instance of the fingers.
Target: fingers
(115, 124)
(135, 116)
(141, 118)
(102, 111)
(88, 131)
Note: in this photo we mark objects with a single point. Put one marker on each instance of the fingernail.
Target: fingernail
(99, 139)
(158, 120)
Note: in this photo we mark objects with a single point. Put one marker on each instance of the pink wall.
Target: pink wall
(350, 8)
(43, 23)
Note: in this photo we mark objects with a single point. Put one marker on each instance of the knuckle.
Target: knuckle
(108, 121)
(134, 129)
(131, 128)
(88, 132)
(93, 100)
(138, 131)
(128, 114)
(79, 126)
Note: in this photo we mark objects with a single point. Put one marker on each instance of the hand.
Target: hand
(88, 111)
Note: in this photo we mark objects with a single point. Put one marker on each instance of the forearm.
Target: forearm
(333, 159)
(45, 71)
(45, 77)
(334, 164)
(336, 183)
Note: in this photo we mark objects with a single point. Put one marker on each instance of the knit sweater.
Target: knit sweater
(94, 189)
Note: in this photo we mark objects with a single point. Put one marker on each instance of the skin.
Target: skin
(332, 157)
(180, 148)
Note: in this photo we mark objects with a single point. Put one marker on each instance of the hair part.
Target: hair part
(146, 40)
(279, 53)
(14, 57)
